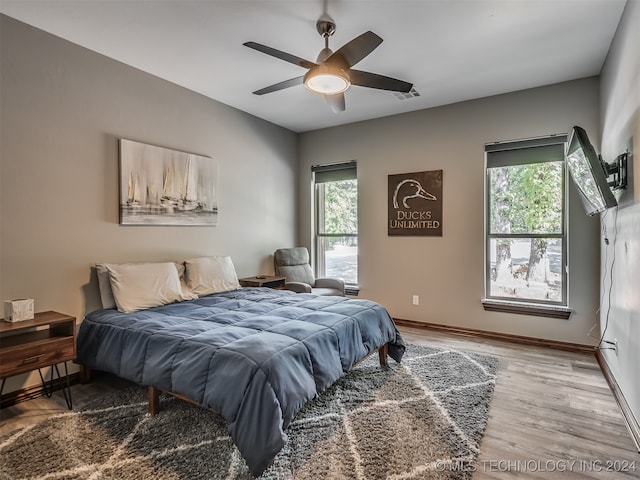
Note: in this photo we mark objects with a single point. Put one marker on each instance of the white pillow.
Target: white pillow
(137, 286)
(187, 294)
(104, 284)
(207, 275)
(106, 294)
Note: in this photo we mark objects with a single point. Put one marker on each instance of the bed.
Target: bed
(255, 355)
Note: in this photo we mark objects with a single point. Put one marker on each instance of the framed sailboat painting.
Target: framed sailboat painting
(160, 186)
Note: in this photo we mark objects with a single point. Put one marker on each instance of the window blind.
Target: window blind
(522, 152)
(335, 172)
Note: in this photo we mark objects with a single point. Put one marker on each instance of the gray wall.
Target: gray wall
(63, 109)
(620, 131)
(448, 272)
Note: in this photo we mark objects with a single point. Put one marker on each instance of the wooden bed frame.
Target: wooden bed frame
(154, 393)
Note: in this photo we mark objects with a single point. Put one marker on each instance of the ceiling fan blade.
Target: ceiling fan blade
(355, 50)
(292, 82)
(287, 57)
(336, 102)
(373, 80)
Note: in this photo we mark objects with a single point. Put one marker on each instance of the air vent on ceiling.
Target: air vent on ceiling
(405, 96)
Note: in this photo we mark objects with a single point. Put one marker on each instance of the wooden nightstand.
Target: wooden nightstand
(263, 281)
(46, 340)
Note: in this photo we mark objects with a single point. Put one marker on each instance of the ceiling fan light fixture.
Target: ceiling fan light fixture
(330, 75)
(327, 81)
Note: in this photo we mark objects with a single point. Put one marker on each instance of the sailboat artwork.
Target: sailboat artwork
(160, 186)
(133, 192)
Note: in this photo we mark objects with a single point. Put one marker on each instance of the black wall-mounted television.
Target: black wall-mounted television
(589, 173)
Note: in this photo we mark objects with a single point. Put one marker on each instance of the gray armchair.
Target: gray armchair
(293, 264)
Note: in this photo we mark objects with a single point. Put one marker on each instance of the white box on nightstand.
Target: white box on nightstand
(18, 310)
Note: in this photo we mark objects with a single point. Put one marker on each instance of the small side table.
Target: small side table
(263, 281)
(44, 341)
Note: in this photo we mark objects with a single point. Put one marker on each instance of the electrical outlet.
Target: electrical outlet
(416, 300)
(615, 346)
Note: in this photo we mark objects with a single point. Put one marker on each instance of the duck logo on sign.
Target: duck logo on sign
(415, 204)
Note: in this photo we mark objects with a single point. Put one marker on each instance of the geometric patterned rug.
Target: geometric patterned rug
(422, 419)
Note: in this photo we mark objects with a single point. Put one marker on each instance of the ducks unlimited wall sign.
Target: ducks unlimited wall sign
(415, 204)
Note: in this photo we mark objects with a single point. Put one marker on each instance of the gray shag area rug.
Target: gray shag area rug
(423, 419)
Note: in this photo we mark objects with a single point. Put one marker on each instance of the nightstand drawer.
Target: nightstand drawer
(24, 358)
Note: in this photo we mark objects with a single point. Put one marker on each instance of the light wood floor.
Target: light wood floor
(551, 411)
(552, 414)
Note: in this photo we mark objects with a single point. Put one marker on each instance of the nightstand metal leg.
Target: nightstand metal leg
(47, 391)
(66, 390)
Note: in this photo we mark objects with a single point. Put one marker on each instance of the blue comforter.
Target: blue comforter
(256, 355)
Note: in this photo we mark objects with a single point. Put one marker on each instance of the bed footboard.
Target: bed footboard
(382, 355)
(154, 399)
(154, 393)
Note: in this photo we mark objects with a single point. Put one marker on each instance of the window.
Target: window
(336, 209)
(525, 258)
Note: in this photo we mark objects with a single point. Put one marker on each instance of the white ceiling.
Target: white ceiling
(451, 50)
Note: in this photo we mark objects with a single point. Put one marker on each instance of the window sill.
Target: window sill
(535, 309)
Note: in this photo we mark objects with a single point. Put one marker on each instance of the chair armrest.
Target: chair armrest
(298, 287)
(335, 283)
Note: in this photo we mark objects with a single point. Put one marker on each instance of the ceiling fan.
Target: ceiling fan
(331, 74)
